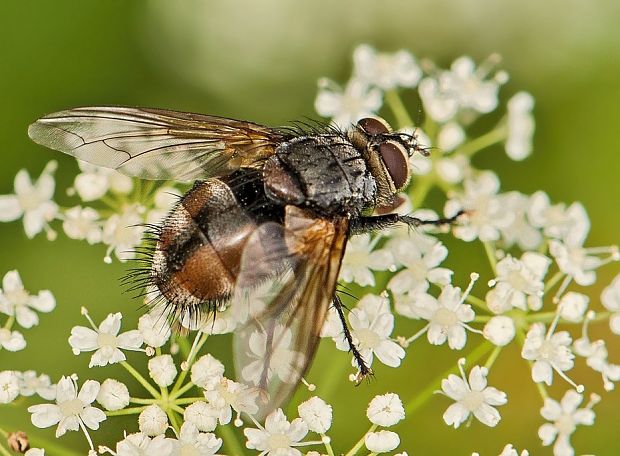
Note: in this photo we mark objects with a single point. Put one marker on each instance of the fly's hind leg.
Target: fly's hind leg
(363, 370)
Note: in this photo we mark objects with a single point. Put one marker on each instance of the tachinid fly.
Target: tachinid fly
(265, 226)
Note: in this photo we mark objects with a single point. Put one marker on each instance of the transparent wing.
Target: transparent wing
(287, 281)
(154, 143)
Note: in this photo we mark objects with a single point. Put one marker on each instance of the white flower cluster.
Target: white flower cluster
(17, 305)
(117, 218)
(528, 297)
(536, 249)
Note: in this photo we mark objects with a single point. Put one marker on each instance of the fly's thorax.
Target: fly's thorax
(325, 173)
(386, 154)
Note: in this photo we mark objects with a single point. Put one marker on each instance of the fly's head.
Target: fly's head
(387, 154)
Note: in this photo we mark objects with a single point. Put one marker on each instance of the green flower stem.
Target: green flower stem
(184, 346)
(494, 136)
(554, 280)
(231, 443)
(482, 318)
(4, 451)
(398, 108)
(493, 357)
(175, 389)
(177, 409)
(490, 251)
(361, 441)
(420, 189)
(548, 317)
(138, 400)
(9, 323)
(126, 411)
(51, 446)
(421, 398)
(188, 400)
(328, 446)
(477, 302)
(141, 379)
(182, 390)
(173, 419)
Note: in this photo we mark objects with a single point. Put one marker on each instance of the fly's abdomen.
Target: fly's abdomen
(196, 259)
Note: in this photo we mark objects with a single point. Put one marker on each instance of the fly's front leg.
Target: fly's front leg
(379, 222)
(364, 370)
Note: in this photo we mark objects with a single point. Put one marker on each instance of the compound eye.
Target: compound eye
(394, 157)
(373, 126)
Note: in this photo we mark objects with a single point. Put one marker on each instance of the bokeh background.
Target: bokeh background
(261, 61)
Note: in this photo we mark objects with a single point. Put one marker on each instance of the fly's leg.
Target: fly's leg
(364, 370)
(379, 222)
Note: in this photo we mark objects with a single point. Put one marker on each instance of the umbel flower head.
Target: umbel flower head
(180, 395)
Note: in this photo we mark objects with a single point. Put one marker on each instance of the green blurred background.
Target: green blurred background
(260, 61)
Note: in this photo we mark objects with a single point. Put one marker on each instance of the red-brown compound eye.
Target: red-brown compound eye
(372, 126)
(394, 157)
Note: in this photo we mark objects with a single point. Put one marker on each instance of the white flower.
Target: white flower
(407, 304)
(227, 395)
(317, 414)
(421, 261)
(520, 126)
(162, 370)
(610, 298)
(154, 328)
(207, 372)
(447, 317)
(193, 442)
(549, 351)
(165, 198)
(486, 213)
(473, 396)
(113, 395)
(575, 262)
(385, 71)
(371, 325)
(450, 136)
(105, 340)
(30, 383)
(570, 225)
(572, 306)
(463, 87)
(31, 200)
(35, 452)
(284, 363)
(385, 410)
(16, 301)
(153, 420)
(9, 386)
(520, 231)
(123, 232)
(564, 418)
(519, 283)
(509, 450)
(596, 356)
(94, 181)
(357, 101)
(468, 86)
(139, 444)
(360, 260)
(278, 437)
(500, 330)
(12, 340)
(201, 415)
(72, 409)
(81, 223)
(454, 168)
(382, 441)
